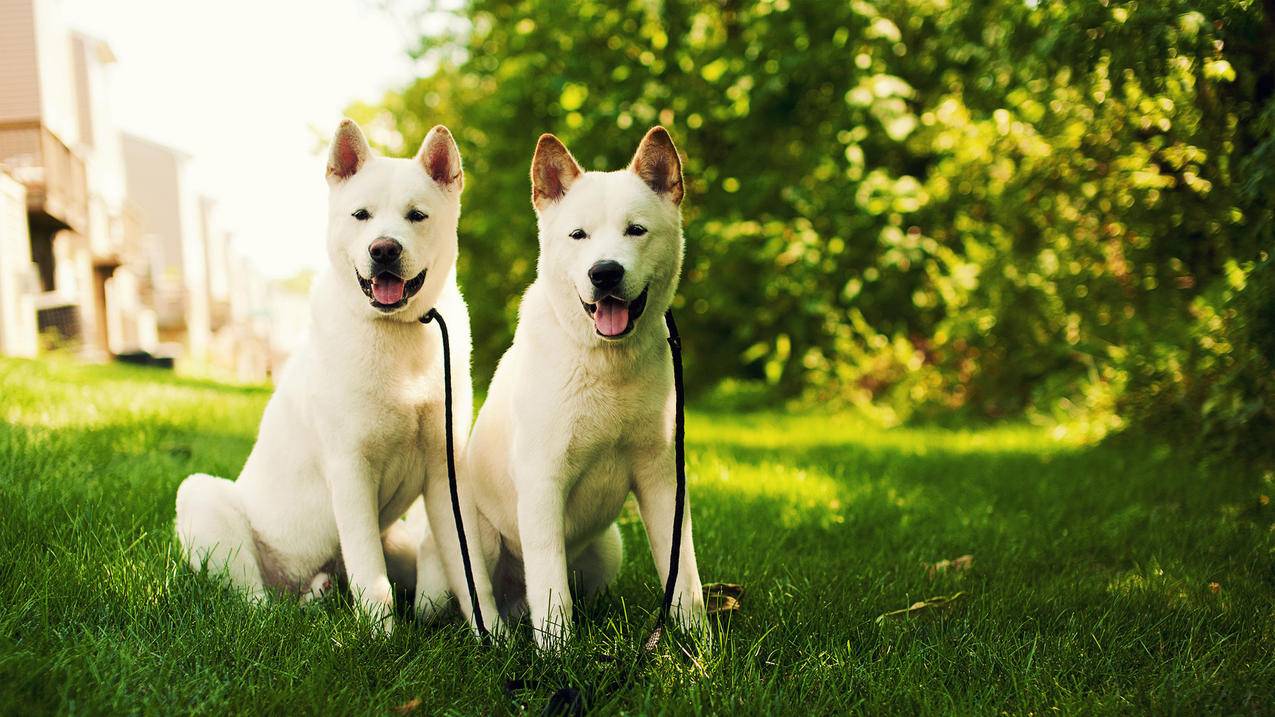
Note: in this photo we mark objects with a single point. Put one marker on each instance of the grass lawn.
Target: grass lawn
(1122, 578)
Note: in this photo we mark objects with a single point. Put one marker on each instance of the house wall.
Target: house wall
(19, 82)
(249, 303)
(159, 182)
(58, 110)
(216, 263)
(151, 177)
(120, 258)
(18, 282)
(99, 142)
(131, 322)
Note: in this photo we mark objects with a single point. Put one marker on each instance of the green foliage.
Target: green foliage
(919, 206)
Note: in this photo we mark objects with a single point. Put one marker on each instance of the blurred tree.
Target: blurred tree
(911, 205)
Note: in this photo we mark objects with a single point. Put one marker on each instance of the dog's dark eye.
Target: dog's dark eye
(635, 230)
(578, 234)
(362, 215)
(417, 215)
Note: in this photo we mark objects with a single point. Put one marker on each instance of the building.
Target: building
(114, 223)
(248, 338)
(159, 181)
(217, 261)
(18, 280)
(106, 244)
(58, 139)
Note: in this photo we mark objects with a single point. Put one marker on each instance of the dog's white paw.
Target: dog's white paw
(690, 614)
(499, 630)
(386, 626)
(376, 605)
(552, 635)
(380, 618)
(319, 586)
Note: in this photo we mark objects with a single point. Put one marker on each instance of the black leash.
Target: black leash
(569, 699)
(679, 452)
(433, 315)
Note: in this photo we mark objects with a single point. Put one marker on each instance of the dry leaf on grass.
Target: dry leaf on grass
(921, 606)
(408, 707)
(1215, 588)
(721, 598)
(956, 565)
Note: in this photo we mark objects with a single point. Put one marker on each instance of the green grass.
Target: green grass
(1089, 590)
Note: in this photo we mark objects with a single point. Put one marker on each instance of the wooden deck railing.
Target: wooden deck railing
(53, 174)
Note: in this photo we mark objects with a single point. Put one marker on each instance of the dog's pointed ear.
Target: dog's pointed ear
(553, 169)
(441, 158)
(349, 151)
(657, 163)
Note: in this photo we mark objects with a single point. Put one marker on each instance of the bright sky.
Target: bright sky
(249, 88)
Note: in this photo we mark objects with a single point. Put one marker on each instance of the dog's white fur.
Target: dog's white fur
(574, 421)
(353, 435)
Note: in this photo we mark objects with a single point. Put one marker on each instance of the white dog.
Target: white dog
(581, 408)
(353, 435)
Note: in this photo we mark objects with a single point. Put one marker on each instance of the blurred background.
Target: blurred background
(918, 209)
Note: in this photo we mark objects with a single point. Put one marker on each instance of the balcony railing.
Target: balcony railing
(53, 174)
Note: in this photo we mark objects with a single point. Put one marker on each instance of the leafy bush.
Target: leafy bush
(923, 207)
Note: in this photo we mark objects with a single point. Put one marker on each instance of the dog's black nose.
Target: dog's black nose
(385, 251)
(606, 274)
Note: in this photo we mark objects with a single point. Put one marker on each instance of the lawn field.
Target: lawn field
(1123, 578)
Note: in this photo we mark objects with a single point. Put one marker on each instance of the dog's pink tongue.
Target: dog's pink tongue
(387, 289)
(612, 317)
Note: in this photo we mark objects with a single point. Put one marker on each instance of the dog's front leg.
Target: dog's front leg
(541, 531)
(655, 484)
(354, 505)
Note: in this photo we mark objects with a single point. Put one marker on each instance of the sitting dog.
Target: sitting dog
(353, 435)
(581, 408)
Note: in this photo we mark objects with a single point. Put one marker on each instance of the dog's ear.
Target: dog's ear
(349, 151)
(553, 169)
(441, 158)
(657, 163)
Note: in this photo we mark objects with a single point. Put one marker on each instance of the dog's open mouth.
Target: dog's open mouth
(614, 317)
(388, 291)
